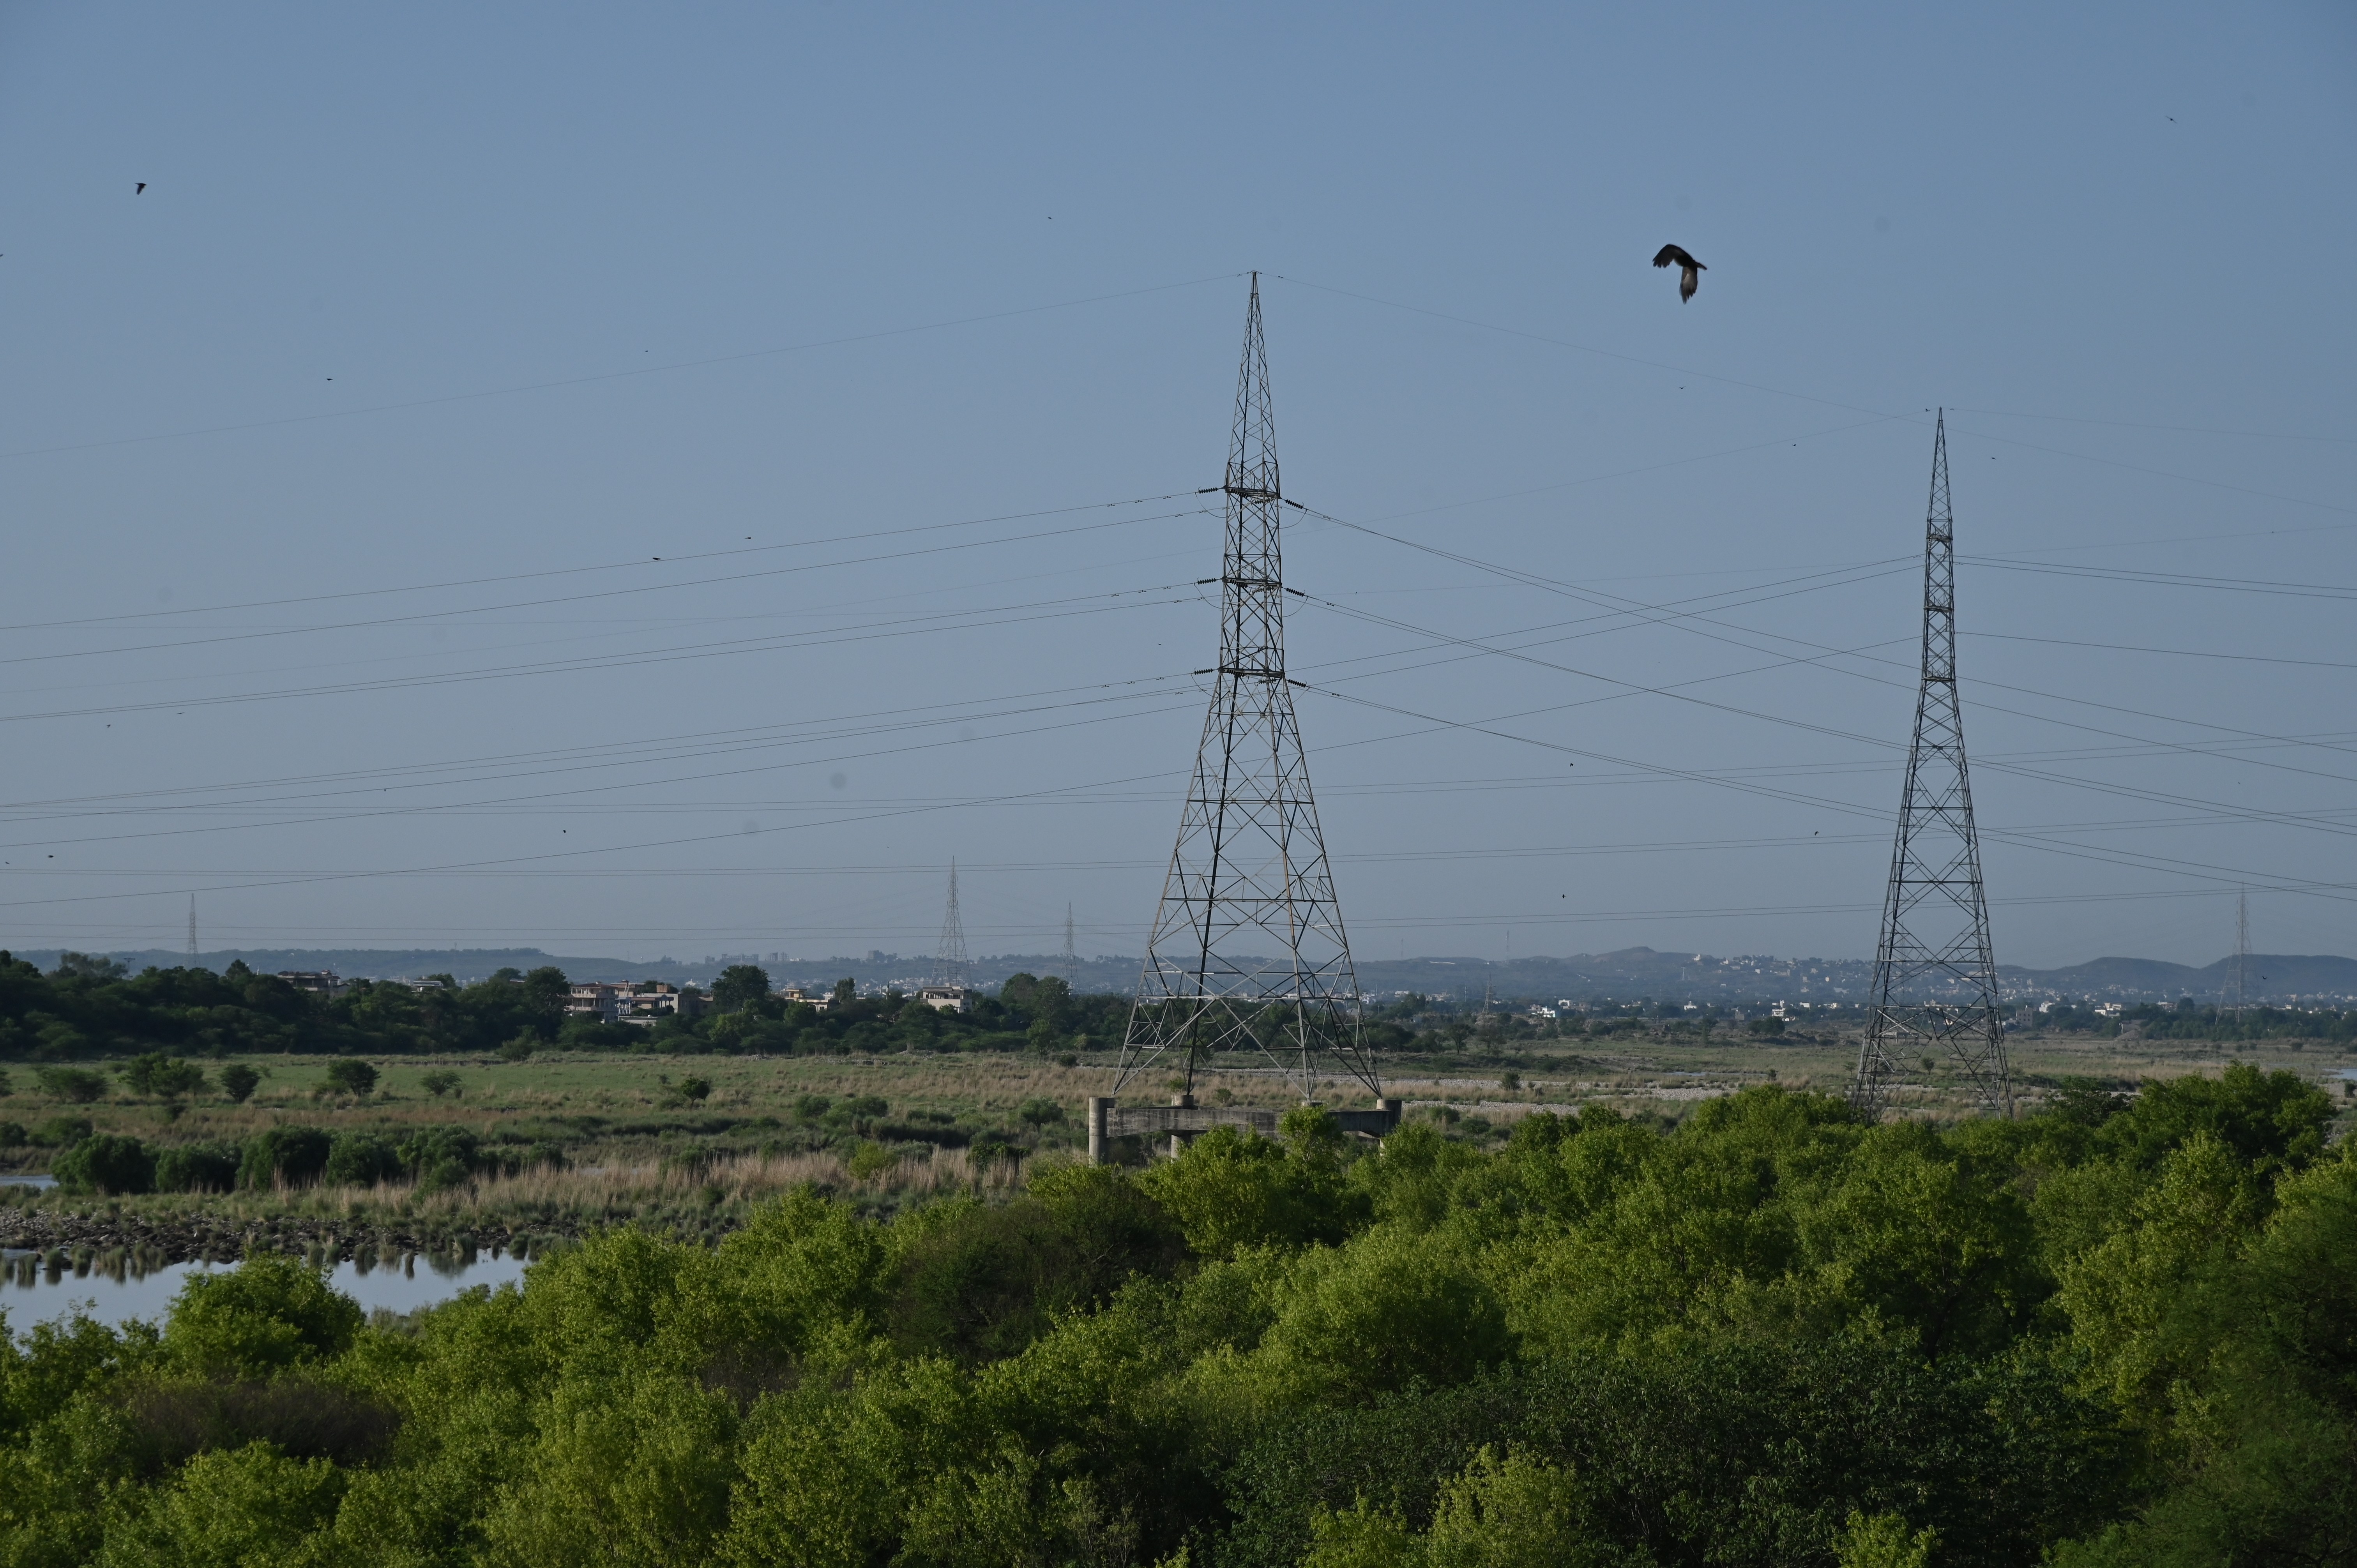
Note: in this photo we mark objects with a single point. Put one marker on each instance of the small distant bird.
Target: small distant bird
(1690, 279)
(139, 189)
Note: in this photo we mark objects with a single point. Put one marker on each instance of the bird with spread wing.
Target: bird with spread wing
(1689, 278)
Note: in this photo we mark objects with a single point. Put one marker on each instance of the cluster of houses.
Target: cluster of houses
(642, 1002)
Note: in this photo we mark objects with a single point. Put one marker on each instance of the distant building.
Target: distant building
(947, 998)
(818, 1002)
(642, 1002)
(323, 983)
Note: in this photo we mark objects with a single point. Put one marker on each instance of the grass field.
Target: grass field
(633, 1149)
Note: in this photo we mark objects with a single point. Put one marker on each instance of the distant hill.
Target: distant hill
(1629, 974)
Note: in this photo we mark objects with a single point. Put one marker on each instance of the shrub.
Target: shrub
(696, 1088)
(13, 1133)
(440, 1157)
(239, 1082)
(811, 1107)
(196, 1167)
(439, 1082)
(350, 1075)
(107, 1162)
(61, 1132)
(161, 1075)
(6, 1088)
(871, 1159)
(269, 1313)
(291, 1154)
(866, 1108)
(520, 1049)
(362, 1159)
(77, 1084)
(1042, 1113)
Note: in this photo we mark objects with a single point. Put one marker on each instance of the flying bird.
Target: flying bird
(139, 189)
(1690, 279)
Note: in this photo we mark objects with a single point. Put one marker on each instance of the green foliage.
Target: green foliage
(266, 1316)
(350, 1075)
(75, 1084)
(107, 1162)
(60, 1132)
(440, 1158)
(2120, 1333)
(692, 1089)
(158, 1074)
(239, 1082)
(439, 1082)
(1884, 1542)
(362, 1159)
(520, 1049)
(196, 1167)
(740, 986)
(288, 1154)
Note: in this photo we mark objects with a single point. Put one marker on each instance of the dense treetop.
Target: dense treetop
(2121, 1332)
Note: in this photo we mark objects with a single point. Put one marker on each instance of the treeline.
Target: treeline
(432, 1158)
(2120, 1332)
(89, 1007)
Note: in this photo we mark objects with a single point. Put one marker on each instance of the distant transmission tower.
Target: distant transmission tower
(1248, 951)
(192, 928)
(951, 959)
(1071, 960)
(1935, 979)
(2242, 975)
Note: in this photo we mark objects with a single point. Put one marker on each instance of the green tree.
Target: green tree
(239, 1082)
(350, 1075)
(740, 987)
(268, 1315)
(107, 1162)
(159, 1074)
(77, 1085)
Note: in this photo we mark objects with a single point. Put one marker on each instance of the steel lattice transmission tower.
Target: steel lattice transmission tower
(949, 955)
(2242, 975)
(192, 928)
(1248, 951)
(1935, 979)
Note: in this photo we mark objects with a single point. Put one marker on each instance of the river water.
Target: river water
(30, 1296)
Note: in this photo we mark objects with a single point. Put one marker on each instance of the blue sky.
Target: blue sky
(338, 463)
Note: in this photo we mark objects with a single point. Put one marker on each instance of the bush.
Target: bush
(291, 1154)
(1042, 1113)
(693, 1088)
(77, 1084)
(13, 1134)
(439, 1082)
(196, 1167)
(811, 1107)
(160, 1075)
(362, 1159)
(61, 1132)
(107, 1162)
(871, 1159)
(239, 1082)
(440, 1157)
(520, 1049)
(350, 1075)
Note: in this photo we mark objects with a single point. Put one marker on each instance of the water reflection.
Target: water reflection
(120, 1284)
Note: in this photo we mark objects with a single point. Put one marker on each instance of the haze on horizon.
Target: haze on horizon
(626, 482)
